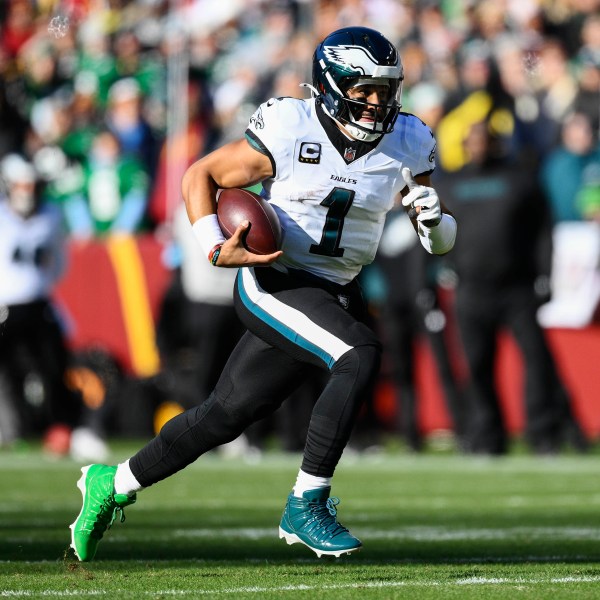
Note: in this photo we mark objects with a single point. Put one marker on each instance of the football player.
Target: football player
(332, 166)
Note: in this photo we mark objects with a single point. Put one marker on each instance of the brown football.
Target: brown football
(236, 205)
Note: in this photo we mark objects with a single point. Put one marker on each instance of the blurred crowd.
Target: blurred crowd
(106, 103)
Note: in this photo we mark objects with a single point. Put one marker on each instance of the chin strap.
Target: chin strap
(313, 90)
(359, 134)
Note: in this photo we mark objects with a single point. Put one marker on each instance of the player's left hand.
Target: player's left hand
(423, 201)
(234, 253)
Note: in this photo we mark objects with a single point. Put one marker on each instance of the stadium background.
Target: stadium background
(245, 52)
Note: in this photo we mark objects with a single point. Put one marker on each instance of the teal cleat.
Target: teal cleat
(99, 510)
(311, 520)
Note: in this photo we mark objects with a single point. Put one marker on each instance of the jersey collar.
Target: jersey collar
(349, 150)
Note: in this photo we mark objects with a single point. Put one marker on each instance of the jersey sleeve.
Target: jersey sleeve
(421, 145)
(270, 130)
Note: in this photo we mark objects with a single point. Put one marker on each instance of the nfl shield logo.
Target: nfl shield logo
(349, 154)
(344, 301)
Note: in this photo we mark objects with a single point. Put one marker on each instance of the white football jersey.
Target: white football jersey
(332, 212)
(32, 254)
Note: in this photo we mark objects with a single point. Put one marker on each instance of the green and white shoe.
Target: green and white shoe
(99, 510)
(311, 520)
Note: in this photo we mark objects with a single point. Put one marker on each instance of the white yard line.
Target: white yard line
(469, 581)
(428, 534)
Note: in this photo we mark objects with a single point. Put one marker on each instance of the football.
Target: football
(236, 205)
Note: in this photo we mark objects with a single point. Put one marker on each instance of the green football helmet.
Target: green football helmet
(351, 57)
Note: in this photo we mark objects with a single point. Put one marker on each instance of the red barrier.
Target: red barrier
(109, 287)
(577, 353)
(111, 295)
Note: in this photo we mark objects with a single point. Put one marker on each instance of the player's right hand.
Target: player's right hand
(234, 253)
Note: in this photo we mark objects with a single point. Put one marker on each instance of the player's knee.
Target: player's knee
(361, 362)
(245, 403)
(370, 359)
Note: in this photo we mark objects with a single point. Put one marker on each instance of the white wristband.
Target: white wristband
(439, 239)
(208, 233)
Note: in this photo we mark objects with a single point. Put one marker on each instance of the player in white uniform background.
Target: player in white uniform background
(332, 166)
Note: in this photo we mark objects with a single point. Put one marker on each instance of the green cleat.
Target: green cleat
(99, 510)
(311, 520)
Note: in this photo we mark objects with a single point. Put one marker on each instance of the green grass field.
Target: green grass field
(434, 525)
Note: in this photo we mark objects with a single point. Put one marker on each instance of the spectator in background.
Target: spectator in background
(131, 61)
(557, 85)
(12, 123)
(124, 118)
(33, 354)
(85, 117)
(588, 96)
(562, 170)
(587, 63)
(588, 197)
(113, 194)
(426, 100)
(438, 39)
(487, 20)
(590, 39)
(474, 73)
(503, 254)
(40, 76)
(95, 56)
(565, 20)
(18, 26)
(50, 123)
(471, 100)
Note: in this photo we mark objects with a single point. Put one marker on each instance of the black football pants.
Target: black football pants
(294, 320)
(31, 341)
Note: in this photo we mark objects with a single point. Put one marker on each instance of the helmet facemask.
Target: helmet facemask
(365, 120)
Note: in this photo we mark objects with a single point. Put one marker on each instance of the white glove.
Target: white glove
(424, 197)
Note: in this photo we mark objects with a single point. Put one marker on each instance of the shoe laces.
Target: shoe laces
(326, 513)
(331, 505)
(108, 513)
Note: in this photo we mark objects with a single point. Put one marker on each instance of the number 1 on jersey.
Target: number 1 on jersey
(338, 202)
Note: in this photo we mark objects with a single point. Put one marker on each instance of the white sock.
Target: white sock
(125, 481)
(305, 482)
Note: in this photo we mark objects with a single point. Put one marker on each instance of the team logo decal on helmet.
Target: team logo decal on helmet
(357, 57)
